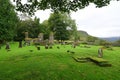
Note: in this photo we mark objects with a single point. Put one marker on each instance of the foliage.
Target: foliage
(30, 26)
(8, 20)
(62, 25)
(91, 39)
(57, 5)
(45, 29)
(117, 43)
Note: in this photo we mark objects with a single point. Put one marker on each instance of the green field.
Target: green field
(56, 64)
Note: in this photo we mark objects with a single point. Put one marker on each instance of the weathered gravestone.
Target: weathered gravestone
(73, 45)
(58, 47)
(40, 37)
(0, 46)
(27, 39)
(26, 34)
(38, 48)
(46, 46)
(51, 38)
(7, 46)
(100, 52)
(50, 46)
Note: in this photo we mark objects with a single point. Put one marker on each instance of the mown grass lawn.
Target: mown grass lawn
(56, 64)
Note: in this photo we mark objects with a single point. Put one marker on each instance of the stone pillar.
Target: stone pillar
(51, 38)
(100, 52)
(40, 37)
(26, 34)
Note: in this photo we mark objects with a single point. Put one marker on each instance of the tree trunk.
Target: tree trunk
(20, 44)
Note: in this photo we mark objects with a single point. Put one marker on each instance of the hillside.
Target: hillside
(111, 39)
(83, 33)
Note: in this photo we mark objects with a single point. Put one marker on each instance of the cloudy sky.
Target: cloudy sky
(99, 22)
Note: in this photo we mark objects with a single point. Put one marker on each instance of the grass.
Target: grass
(56, 64)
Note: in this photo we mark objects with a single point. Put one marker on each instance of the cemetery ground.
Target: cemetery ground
(28, 63)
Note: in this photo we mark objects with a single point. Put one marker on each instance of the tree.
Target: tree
(116, 43)
(62, 25)
(8, 21)
(57, 5)
(45, 28)
(30, 26)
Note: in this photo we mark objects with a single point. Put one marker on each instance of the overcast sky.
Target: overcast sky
(99, 22)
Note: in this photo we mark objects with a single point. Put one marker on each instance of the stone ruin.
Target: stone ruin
(27, 39)
(40, 40)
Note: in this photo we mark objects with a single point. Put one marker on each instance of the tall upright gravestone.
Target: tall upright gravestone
(27, 39)
(40, 37)
(51, 38)
(26, 35)
(100, 52)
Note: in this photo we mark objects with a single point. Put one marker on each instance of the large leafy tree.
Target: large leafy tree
(57, 5)
(45, 28)
(62, 25)
(8, 21)
(30, 26)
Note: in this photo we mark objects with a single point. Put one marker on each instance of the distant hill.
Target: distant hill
(111, 39)
(84, 36)
(83, 33)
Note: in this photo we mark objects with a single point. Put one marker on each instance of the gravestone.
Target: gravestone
(100, 52)
(68, 51)
(58, 47)
(26, 34)
(46, 46)
(40, 37)
(50, 46)
(73, 45)
(7, 46)
(51, 38)
(38, 48)
(0, 46)
(27, 39)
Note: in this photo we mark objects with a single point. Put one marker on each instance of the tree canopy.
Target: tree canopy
(30, 26)
(8, 20)
(57, 5)
(62, 25)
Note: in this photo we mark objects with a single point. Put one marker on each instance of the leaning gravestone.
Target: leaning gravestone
(100, 52)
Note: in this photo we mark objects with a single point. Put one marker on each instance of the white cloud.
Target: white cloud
(43, 15)
(100, 22)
